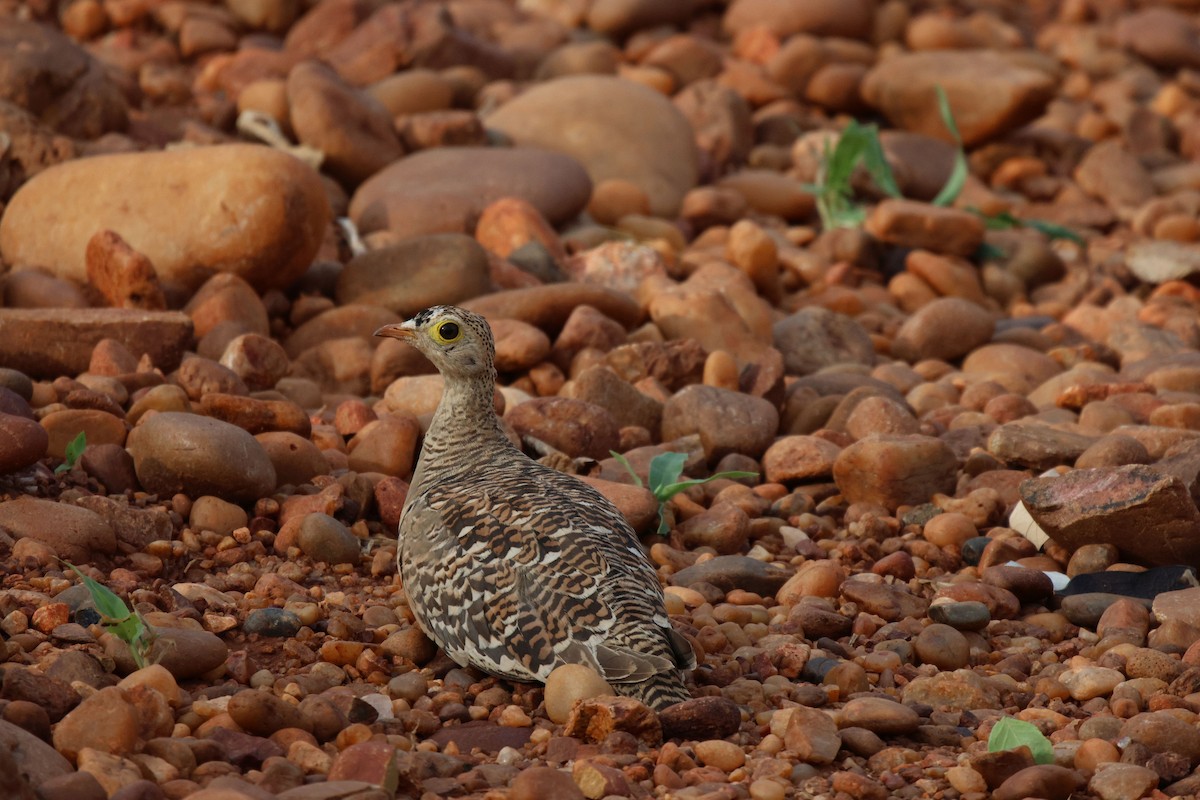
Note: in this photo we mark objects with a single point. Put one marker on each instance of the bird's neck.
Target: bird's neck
(465, 421)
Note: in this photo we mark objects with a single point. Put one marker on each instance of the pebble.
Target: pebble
(323, 538)
(544, 783)
(270, 247)
(813, 338)
(574, 427)
(73, 533)
(175, 452)
(351, 128)
(942, 646)
(812, 735)
(894, 470)
(922, 226)
(946, 328)
(275, 622)
(966, 616)
(961, 690)
(567, 684)
(1049, 781)
(851, 20)
(22, 442)
(727, 421)
(879, 715)
(105, 721)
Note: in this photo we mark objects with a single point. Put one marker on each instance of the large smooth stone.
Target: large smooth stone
(616, 128)
(240, 208)
(176, 452)
(446, 189)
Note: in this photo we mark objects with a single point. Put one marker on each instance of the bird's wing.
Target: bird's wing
(519, 584)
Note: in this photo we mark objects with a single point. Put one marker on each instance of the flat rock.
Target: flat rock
(36, 761)
(1037, 446)
(734, 572)
(1148, 516)
(278, 201)
(444, 190)
(616, 128)
(424, 271)
(990, 93)
(74, 533)
(923, 226)
(48, 342)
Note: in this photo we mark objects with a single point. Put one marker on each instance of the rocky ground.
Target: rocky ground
(636, 194)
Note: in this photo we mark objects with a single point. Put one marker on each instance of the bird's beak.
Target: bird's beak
(404, 331)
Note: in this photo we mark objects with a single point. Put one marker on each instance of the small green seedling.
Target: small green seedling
(1005, 221)
(958, 174)
(75, 449)
(124, 623)
(665, 470)
(834, 192)
(1010, 733)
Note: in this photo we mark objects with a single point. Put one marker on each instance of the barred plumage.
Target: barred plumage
(511, 566)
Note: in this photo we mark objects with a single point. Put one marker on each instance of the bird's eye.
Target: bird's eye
(446, 332)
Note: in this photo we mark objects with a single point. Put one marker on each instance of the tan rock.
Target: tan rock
(168, 221)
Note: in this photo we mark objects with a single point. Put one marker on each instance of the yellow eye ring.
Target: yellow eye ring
(446, 332)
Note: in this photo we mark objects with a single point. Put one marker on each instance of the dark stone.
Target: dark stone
(1145, 585)
(272, 622)
(734, 572)
(701, 718)
(487, 736)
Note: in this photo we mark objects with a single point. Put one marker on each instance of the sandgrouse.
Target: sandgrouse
(513, 567)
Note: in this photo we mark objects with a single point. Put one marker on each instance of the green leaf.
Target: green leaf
(675, 488)
(624, 462)
(1054, 230)
(877, 165)
(946, 114)
(958, 175)
(665, 469)
(74, 450)
(107, 603)
(1010, 733)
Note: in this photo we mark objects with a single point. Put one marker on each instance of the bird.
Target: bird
(513, 567)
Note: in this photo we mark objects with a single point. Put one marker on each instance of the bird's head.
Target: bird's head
(457, 341)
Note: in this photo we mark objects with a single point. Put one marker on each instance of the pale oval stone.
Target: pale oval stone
(278, 202)
(568, 683)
